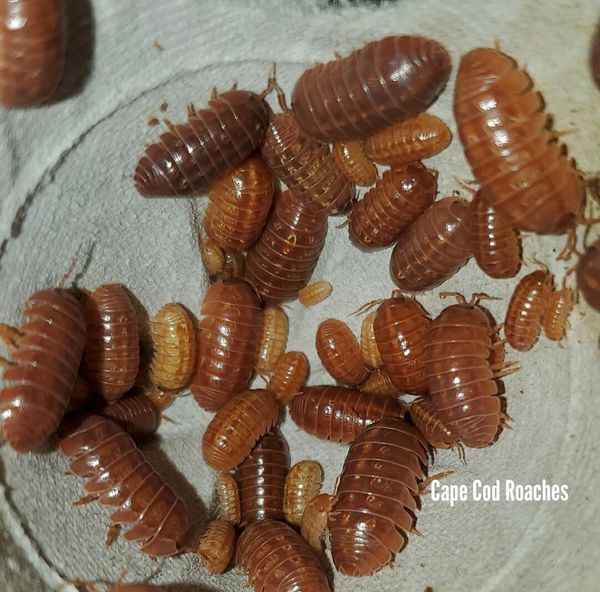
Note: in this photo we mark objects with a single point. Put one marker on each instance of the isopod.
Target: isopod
(213, 257)
(377, 496)
(381, 83)
(303, 483)
(355, 166)
(261, 479)
(229, 498)
(595, 56)
(401, 325)
(188, 158)
(588, 275)
(229, 333)
(496, 244)
(119, 475)
(217, 546)
(314, 293)
(41, 375)
(413, 139)
(281, 262)
(289, 376)
(340, 353)
(398, 198)
(314, 520)
(273, 338)
(174, 344)
(556, 315)
(32, 50)
(240, 201)
(237, 426)
(511, 150)
(136, 414)
(340, 414)
(234, 266)
(434, 248)
(111, 357)
(277, 559)
(380, 383)
(368, 345)
(429, 424)
(526, 308)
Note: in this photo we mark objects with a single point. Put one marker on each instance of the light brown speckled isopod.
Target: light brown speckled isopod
(213, 257)
(368, 345)
(355, 166)
(380, 383)
(302, 484)
(314, 293)
(273, 338)
(228, 496)
(289, 376)
(314, 520)
(217, 546)
(556, 317)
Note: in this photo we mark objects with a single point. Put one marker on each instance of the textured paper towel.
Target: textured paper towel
(66, 180)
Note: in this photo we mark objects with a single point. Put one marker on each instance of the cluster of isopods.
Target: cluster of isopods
(76, 366)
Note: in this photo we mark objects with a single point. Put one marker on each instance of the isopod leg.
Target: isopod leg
(191, 110)
(459, 297)
(10, 336)
(367, 306)
(112, 534)
(86, 499)
(436, 477)
(570, 247)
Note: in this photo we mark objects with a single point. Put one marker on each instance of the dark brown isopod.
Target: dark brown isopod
(588, 275)
(281, 262)
(381, 83)
(136, 414)
(399, 197)
(32, 50)
(41, 375)
(189, 157)
(261, 479)
(434, 248)
(340, 414)
(377, 496)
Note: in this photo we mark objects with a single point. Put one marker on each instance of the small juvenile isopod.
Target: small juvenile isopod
(111, 358)
(556, 315)
(234, 266)
(273, 338)
(314, 520)
(229, 498)
(277, 559)
(314, 293)
(261, 479)
(355, 166)
(526, 309)
(429, 424)
(302, 484)
(217, 546)
(340, 414)
(340, 353)
(213, 257)
(42, 372)
(240, 201)
(368, 345)
(229, 333)
(410, 140)
(496, 245)
(32, 50)
(136, 414)
(237, 426)
(380, 383)
(174, 344)
(381, 83)
(289, 376)
(588, 275)
(399, 197)
(435, 247)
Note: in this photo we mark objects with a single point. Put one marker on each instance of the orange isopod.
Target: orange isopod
(437, 434)
(289, 376)
(273, 338)
(314, 520)
(556, 316)
(380, 383)
(213, 257)
(368, 345)
(351, 160)
(137, 414)
(314, 293)
(588, 275)
(217, 546)
(228, 496)
(302, 484)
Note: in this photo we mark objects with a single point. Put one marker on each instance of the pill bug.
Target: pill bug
(401, 325)
(213, 257)
(460, 378)
(111, 358)
(429, 424)
(217, 546)
(229, 333)
(398, 198)
(314, 520)
(350, 158)
(136, 414)
(189, 157)
(261, 479)
(229, 498)
(556, 315)
(529, 301)
(174, 345)
(380, 383)
(377, 496)
(119, 475)
(588, 275)
(340, 353)
(413, 139)
(281, 262)
(32, 50)
(340, 414)
(307, 168)
(496, 245)
(595, 56)
(314, 293)
(240, 201)
(237, 426)
(289, 376)
(521, 167)
(368, 345)
(161, 399)
(302, 484)
(273, 338)
(39, 378)
(276, 557)
(434, 248)
(381, 83)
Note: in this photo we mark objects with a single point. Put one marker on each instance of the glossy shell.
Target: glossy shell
(380, 383)
(302, 484)
(136, 414)
(429, 424)
(588, 275)
(228, 496)
(558, 311)
(217, 546)
(350, 158)
(273, 338)
(314, 293)
(289, 376)
(368, 345)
